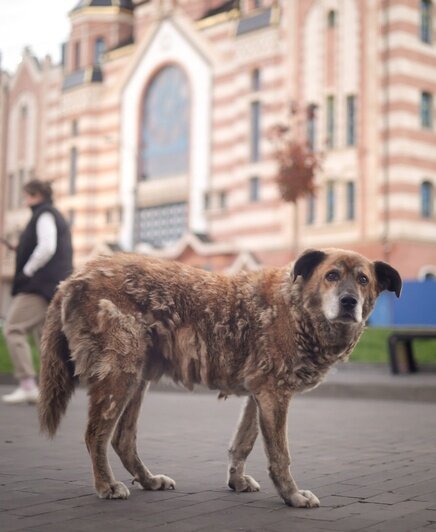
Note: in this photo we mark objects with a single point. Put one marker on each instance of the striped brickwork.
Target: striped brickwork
(281, 57)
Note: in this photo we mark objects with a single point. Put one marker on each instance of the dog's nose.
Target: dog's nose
(348, 302)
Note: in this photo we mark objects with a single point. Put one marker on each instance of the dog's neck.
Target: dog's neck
(319, 345)
(336, 339)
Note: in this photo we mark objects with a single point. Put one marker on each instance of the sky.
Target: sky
(40, 24)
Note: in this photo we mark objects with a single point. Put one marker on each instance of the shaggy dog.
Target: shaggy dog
(124, 321)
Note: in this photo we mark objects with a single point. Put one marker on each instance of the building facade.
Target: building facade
(155, 130)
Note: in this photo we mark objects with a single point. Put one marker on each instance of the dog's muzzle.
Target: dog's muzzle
(348, 305)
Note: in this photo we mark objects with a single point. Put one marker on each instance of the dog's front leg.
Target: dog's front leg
(273, 412)
(241, 447)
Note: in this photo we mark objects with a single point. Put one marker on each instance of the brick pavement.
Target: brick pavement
(371, 462)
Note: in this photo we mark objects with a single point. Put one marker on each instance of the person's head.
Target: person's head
(36, 192)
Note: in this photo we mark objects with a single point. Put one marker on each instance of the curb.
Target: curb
(370, 382)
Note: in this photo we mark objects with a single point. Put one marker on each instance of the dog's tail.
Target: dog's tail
(57, 381)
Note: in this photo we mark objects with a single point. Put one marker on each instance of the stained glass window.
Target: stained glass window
(164, 147)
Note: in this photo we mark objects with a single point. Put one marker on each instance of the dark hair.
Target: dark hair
(36, 186)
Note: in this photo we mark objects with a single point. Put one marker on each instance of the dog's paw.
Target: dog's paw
(243, 483)
(160, 482)
(303, 499)
(117, 490)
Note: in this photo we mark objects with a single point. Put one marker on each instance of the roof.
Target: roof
(123, 4)
(222, 8)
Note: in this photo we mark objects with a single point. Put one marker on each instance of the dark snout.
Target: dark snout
(348, 303)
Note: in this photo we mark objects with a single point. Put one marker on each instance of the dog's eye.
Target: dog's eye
(363, 279)
(332, 276)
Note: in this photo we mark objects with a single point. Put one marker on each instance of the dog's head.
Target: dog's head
(343, 284)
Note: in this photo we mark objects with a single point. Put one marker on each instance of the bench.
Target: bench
(401, 348)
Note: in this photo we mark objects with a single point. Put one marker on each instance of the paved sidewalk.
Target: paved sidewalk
(371, 462)
(375, 381)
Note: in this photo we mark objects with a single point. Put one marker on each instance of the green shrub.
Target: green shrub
(373, 348)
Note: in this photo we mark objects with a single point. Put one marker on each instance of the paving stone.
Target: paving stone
(369, 474)
(407, 523)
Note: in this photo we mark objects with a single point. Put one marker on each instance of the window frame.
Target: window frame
(99, 50)
(426, 110)
(255, 130)
(311, 126)
(427, 199)
(332, 18)
(256, 80)
(77, 56)
(72, 182)
(330, 122)
(310, 209)
(426, 21)
(254, 189)
(330, 201)
(350, 194)
(351, 132)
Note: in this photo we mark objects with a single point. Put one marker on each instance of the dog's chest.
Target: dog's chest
(310, 360)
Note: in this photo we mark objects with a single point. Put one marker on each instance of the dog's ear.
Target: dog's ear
(307, 262)
(387, 278)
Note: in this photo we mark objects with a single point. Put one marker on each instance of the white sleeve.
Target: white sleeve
(46, 238)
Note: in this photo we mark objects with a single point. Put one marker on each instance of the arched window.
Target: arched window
(426, 199)
(164, 149)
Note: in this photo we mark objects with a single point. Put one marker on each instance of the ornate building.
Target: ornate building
(154, 129)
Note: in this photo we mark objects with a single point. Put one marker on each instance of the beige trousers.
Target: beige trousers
(25, 316)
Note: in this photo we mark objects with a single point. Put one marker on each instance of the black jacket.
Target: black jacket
(45, 280)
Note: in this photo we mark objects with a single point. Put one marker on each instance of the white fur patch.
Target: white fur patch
(330, 305)
(358, 311)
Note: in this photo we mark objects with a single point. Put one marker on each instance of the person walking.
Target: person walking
(43, 259)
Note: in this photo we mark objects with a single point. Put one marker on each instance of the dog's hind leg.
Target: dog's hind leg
(124, 444)
(107, 400)
(241, 447)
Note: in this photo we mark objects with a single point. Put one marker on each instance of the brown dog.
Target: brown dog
(124, 321)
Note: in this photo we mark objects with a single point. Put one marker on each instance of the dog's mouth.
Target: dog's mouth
(347, 317)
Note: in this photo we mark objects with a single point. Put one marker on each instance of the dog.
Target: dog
(124, 321)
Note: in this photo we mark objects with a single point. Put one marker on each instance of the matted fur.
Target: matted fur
(123, 321)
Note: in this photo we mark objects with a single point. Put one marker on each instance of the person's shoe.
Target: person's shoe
(20, 395)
